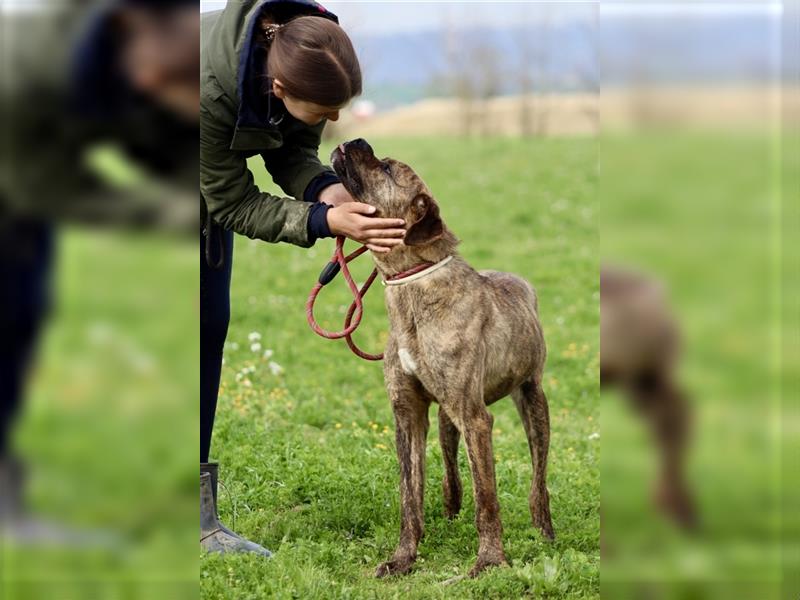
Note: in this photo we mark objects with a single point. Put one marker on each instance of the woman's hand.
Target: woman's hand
(379, 235)
(335, 195)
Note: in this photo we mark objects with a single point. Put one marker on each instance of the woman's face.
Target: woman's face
(307, 112)
(159, 55)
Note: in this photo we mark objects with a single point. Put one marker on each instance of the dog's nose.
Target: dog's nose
(360, 144)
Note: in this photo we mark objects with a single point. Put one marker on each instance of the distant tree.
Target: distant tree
(587, 75)
(488, 80)
(533, 71)
(458, 77)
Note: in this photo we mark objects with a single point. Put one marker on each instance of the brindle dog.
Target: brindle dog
(460, 338)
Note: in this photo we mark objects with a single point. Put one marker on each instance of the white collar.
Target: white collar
(419, 275)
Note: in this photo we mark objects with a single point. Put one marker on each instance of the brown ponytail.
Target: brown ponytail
(314, 60)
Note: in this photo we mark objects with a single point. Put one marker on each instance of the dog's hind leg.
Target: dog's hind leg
(449, 437)
(532, 408)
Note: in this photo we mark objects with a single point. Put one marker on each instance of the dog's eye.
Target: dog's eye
(387, 168)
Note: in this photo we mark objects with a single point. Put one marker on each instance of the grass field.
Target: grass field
(305, 433)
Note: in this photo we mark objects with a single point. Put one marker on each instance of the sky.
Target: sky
(379, 18)
(372, 17)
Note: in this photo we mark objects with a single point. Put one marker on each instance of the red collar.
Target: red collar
(412, 271)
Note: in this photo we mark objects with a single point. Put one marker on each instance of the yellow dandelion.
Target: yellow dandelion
(381, 446)
(338, 426)
(374, 425)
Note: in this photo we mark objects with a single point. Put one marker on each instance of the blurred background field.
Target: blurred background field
(698, 191)
(305, 431)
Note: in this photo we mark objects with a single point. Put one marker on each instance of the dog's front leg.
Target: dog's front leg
(476, 426)
(411, 423)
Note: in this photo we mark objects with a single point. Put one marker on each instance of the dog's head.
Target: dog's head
(390, 186)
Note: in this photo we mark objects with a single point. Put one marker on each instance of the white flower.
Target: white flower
(100, 333)
(268, 353)
(594, 436)
(275, 368)
(255, 347)
(254, 336)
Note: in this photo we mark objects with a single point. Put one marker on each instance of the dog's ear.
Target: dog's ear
(427, 226)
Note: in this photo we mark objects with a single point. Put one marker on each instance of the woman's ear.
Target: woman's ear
(428, 226)
(278, 89)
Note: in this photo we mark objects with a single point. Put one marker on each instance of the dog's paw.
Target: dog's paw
(546, 528)
(487, 561)
(676, 504)
(451, 512)
(543, 522)
(452, 498)
(394, 567)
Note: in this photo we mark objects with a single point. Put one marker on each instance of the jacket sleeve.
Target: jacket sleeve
(296, 164)
(233, 199)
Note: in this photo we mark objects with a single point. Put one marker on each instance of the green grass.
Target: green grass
(308, 455)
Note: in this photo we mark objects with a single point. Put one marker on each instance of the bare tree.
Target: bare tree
(458, 78)
(487, 76)
(533, 71)
(525, 85)
(587, 73)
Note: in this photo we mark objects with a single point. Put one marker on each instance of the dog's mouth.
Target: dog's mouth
(350, 160)
(338, 161)
(343, 166)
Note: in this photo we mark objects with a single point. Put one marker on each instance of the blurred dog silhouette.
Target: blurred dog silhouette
(640, 345)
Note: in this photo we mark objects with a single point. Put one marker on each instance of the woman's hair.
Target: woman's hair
(314, 60)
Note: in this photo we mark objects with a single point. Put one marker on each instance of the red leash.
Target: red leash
(356, 312)
(338, 263)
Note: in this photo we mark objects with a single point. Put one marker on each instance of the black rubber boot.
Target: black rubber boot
(11, 478)
(19, 528)
(214, 536)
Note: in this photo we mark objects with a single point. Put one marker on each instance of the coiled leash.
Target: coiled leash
(338, 263)
(352, 320)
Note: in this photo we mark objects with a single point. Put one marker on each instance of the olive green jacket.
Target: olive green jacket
(232, 130)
